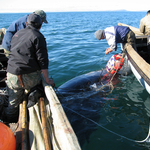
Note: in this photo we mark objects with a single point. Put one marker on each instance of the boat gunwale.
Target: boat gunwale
(137, 65)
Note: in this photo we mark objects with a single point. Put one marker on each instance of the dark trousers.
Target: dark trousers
(130, 39)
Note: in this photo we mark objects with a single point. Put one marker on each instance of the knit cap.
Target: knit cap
(98, 34)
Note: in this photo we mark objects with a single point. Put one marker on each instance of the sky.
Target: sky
(15, 6)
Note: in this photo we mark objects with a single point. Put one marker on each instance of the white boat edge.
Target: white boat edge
(139, 78)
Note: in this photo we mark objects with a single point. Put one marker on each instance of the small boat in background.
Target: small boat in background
(139, 60)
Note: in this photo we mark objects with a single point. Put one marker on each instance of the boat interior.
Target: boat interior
(143, 47)
(3, 66)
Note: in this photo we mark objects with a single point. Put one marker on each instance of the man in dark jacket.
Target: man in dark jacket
(27, 59)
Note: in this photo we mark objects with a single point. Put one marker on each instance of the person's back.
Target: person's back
(12, 29)
(145, 24)
(18, 25)
(28, 47)
(27, 59)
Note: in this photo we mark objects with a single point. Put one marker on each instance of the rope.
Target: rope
(110, 84)
(3, 79)
(142, 141)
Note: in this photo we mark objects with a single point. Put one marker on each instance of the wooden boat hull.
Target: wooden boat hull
(139, 60)
(139, 67)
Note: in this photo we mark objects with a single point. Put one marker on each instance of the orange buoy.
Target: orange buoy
(115, 63)
(7, 138)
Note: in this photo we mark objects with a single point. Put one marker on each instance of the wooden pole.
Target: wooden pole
(44, 124)
(24, 125)
(18, 131)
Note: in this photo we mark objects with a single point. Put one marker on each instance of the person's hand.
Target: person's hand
(6, 52)
(51, 82)
(47, 80)
(108, 50)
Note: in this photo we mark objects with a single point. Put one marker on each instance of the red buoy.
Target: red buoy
(7, 138)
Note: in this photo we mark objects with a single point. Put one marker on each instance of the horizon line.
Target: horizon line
(123, 10)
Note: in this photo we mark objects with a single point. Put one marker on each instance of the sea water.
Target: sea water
(111, 121)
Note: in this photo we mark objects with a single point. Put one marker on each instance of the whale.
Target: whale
(85, 96)
(93, 82)
(86, 84)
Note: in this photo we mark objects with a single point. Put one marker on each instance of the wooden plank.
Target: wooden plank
(63, 131)
(18, 131)
(46, 134)
(24, 126)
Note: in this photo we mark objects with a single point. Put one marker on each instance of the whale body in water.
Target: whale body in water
(95, 82)
(86, 83)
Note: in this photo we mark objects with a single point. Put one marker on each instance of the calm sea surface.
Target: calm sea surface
(105, 122)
